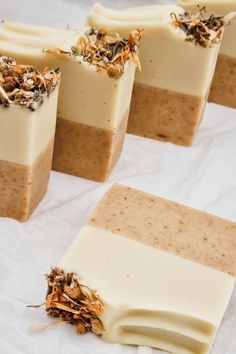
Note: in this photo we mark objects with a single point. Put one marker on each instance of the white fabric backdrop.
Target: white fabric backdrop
(203, 176)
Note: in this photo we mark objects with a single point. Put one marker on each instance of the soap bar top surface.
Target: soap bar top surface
(150, 16)
(133, 255)
(87, 46)
(168, 226)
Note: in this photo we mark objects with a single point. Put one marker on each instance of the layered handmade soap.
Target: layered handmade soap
(154, 273)
(94, 99)
(171, 90)
(223, 89)
(28, 104)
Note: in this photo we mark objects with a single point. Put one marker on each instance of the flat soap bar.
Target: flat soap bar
(95, 94)
(157, 273)
(223, 89)
(171, 90)
(28, 105)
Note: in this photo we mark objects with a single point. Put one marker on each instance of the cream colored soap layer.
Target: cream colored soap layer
(86, 96)
(93, 98)
(218, 7)
(165, 55)
(178, 297)
(168, 226)
(25, 134)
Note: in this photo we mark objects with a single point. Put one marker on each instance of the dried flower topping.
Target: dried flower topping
(73, 302)
(105, 50)
(205, 31)
(24, 85)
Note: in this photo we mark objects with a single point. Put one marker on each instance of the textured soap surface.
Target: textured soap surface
(169, 226)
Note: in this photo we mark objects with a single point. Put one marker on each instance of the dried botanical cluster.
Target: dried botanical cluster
(201, 30)
(73, 302)
(105, 50)
(24, 85)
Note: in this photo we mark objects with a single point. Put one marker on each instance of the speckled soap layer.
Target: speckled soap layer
(168, 226)
(164, 115)
(22, 187)
(223, 89)
(86, 151)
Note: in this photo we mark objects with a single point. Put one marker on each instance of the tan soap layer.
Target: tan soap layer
(164, 115)
(86, 151)
(22, 187)
(223, 89)
(168, 226)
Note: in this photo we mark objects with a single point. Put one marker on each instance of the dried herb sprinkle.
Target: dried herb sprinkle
(107, 51)
(200, 29)
(72, 302)
(24, 85)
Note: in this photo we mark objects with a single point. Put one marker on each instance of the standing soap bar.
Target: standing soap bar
(147, 271)
(92, 123)
(172, 88)
(94, 99)
(223, 89)
(28, 104)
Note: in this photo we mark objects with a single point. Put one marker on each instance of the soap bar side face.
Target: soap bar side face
(31, 132)
(223, 89)
(166, 112)
(86, 151)
(170, 62)
(154, 221)
(93, 98)
(22, 187)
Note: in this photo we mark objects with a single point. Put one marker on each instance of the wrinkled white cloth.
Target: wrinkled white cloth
(202, 176)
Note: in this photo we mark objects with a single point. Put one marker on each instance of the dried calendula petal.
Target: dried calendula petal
(73, 302)
(204, 31)
(88, 293)
(80, 328)
(23, 84)
(73, 291)
(56, 51)
(97, 326)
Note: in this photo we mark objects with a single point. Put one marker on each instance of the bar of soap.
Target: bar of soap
(95, 95)
(154, 273)
(171, 90)
(223, 89)
(28, 104)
